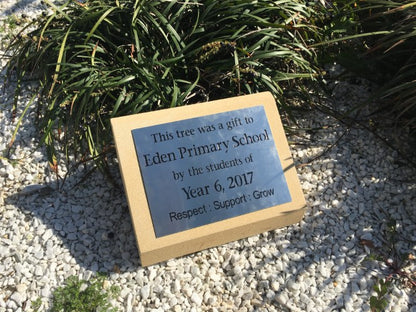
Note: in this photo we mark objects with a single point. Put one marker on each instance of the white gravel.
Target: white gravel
(352, 191)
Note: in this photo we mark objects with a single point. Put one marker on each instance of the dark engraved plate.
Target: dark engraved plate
(211, 168)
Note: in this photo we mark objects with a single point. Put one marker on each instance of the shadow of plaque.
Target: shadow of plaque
(202, 175)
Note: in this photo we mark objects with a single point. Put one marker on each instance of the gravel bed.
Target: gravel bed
(353, 189)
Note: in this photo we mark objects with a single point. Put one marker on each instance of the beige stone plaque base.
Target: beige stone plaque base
(154, 249)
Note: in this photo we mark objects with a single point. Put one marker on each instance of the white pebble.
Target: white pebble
(195, 298)
(282, 298)
(145, 292)
(124, 292)
(275, 286)
(293, 285)
(248, 295)
(47, 235)
(21, 288)
(18, 298)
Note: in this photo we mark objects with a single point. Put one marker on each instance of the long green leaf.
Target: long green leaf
(97, 24)
(59, 60)
(374, 33)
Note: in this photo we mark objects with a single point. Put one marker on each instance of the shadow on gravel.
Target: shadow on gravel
(91, 220)
(353, 190)
(352, 195)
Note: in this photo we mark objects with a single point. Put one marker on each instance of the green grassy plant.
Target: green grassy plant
(379, 302)
(387, 57)
(397, 263)
(395, 56)
(95, 60)
(36, 304)
(83, 296)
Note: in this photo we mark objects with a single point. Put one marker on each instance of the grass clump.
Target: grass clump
(36, 304)
(99, 59)
(384, 52)
(379, 302)
(82, 296)
(396, 263)
(393, 57)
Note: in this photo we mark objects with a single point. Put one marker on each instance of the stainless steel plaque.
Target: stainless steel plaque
(207, 169)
